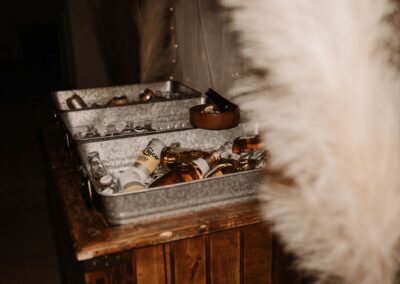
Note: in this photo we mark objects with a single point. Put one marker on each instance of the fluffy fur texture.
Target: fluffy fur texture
(330, 111)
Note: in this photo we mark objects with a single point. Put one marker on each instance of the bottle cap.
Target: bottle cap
(106, 180)
(146, 95)
(93, 155)
(157, 145)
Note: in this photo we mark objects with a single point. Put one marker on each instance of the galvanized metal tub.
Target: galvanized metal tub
(162, 114)
(103, 95)
(151, 203)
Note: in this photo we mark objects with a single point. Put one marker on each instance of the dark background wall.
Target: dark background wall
(48, 45)
(31, 55)
(31, 65)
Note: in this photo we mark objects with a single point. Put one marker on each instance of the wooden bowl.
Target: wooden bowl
(213, 121)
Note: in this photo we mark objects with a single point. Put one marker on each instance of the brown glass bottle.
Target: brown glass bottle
(173, 156)
(147, 95)
(118, 101)
(244, 144)
(187, 172)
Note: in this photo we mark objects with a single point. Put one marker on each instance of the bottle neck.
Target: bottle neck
(206, 163)
(172, 155)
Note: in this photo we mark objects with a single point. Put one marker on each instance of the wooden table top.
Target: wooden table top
(93, 236)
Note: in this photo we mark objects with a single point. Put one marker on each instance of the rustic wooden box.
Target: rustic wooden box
(229, 244)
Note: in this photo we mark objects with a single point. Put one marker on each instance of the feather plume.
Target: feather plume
(329, 109)
(156, 49)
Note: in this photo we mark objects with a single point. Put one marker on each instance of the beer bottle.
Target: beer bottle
(129, 181)
(134, 178)
(174, 155)
(97, 168)
(195, 170)
(147, 95)
(223, 167)
(244, 144)
(118, 101)
(148, 159)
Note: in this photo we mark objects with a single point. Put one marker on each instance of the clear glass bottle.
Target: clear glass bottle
(195, 170)
(107, 181)
(97, 168)
(111, 129)
(92, 132)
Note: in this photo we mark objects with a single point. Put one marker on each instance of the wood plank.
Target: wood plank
(169, 264)
(150, 265)
(111, 269)
(190, 261)
(116, 238)
(109, 276)
(257, 254)
(97, 277)
(225, 257)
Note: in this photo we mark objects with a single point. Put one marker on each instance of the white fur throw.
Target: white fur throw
(329, 109)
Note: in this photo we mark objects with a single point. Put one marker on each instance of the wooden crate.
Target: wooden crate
(231, 244)
(233, 256)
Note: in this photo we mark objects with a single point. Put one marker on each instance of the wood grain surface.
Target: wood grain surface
(239, 255)
(257, 254)
(150, 265)
(225, 257)
(189, 260)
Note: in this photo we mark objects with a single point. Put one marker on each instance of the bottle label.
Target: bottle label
(203, 165)
(131, 187)
(149, 158)
(147, 161)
